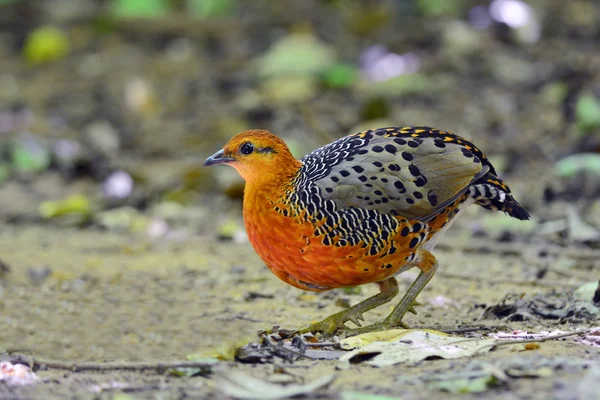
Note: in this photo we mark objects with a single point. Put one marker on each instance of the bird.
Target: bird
(359, 210)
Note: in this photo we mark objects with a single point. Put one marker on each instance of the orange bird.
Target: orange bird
(360, 210)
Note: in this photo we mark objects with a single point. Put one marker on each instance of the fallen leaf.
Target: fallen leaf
(244, 386)
(365, 396)
(589, 292)
(391, 335)
(16, 374)
(226, 351)
(410, 346)
(475, 377)
(182, 371)
(476, 385)
(543, 372)
(122, 396)
(579, 230)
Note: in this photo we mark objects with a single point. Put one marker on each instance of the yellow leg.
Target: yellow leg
(328, 326)
(428, 265)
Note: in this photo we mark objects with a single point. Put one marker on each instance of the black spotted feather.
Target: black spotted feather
(412, 172)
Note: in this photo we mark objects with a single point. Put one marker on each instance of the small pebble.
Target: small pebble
(37, 275)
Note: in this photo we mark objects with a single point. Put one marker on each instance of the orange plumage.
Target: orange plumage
(361, 209)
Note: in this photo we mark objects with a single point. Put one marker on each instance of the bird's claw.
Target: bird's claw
(334, 323)
(411, 309)
(376, 327)
(325, 327)
(355, 319)
(276, 330)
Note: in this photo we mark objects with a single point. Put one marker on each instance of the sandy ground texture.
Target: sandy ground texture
(94, 296)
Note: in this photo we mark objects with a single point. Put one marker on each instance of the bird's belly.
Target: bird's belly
(295, 253)
(435, 235)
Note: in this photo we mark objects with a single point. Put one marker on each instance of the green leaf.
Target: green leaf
(439, 7)
(4, 172)
(296, 54)
(140, 8)
(45, 44)
(587, 112)
(340, 76)
(573, 164)
(186, 372)
(211, 8)
(76, 204)
(6, 2)
(29, 156)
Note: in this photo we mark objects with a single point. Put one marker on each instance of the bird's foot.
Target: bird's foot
(384, 325)
(330, 325)
(336, 323)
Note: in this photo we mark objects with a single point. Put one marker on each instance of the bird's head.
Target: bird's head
(257, 155)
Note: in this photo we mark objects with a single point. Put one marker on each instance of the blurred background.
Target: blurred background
(109, 107)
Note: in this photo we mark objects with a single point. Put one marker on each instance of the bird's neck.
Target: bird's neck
(266, 187)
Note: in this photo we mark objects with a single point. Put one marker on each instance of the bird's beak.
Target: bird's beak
(218, 158)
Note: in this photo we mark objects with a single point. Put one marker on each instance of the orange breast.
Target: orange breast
(290, 247)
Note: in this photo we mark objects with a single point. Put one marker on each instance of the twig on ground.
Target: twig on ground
(107, 366)
(501, 342)
(541, 283)
(582, 332)
(468, 329)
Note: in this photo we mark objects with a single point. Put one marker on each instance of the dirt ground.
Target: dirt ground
(111, 297)
(148, 100)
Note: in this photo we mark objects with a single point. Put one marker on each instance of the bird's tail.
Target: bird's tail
(492, 193)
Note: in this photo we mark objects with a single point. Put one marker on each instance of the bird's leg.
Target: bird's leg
(328, 326)
(428, 265)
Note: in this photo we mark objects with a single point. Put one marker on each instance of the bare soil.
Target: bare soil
(119, 297)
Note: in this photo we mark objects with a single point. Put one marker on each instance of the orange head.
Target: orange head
(258, 156)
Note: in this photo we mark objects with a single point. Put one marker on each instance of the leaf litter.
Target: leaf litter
(480, 375)
(580, 305)
(16, 374)
(243, 386)
(381, 349)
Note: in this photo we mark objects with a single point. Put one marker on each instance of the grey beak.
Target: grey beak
(218, 158)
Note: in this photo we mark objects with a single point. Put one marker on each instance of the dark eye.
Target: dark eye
(247, 148)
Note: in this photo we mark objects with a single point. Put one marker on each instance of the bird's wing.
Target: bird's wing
(396, 172)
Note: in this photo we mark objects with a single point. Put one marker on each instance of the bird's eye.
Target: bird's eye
(247, 148)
